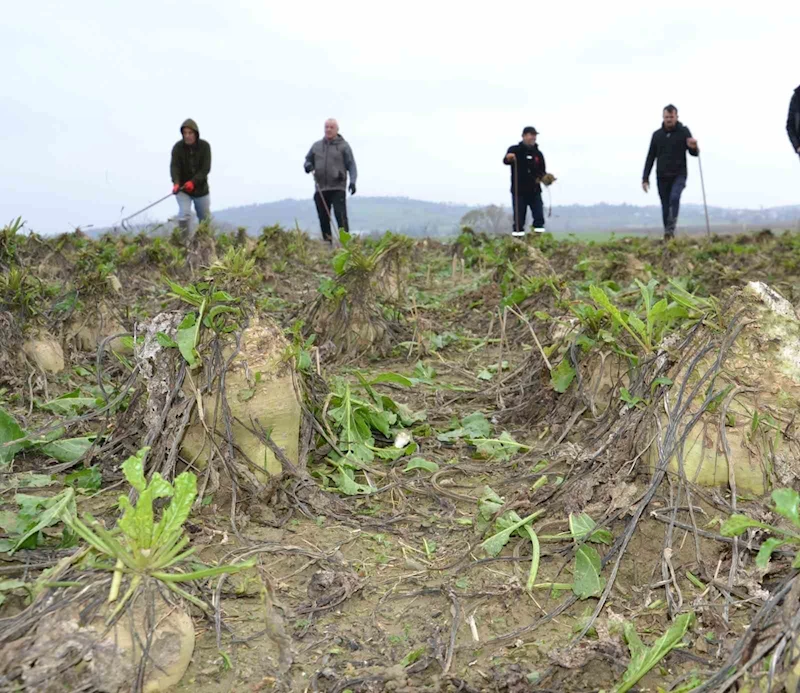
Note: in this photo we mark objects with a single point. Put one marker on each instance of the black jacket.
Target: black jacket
(793, 120)
(669, 148)
(191, 163)
(530, 167)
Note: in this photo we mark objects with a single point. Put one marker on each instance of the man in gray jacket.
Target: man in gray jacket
(331, 159)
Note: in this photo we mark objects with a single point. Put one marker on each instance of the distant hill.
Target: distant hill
(399, 214)
(419, 218)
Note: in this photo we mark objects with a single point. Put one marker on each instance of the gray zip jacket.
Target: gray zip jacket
(331, 161)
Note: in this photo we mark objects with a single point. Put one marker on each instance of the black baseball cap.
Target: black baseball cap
(530, 130)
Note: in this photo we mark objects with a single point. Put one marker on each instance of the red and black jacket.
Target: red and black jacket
(530, 167)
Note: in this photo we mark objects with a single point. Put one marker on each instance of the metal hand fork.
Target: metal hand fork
(338, 241)
(124, 222)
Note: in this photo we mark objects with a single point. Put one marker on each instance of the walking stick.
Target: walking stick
(703, 187)
(136, 214)
(516, 200)
(338, 243)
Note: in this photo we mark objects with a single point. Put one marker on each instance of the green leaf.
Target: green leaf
(601, 299)
(587, 582)
(56, 506)
(737, 524)
(137, 522)
(171, 524)
(68, 449)
(133, 469)
(187, 338)
(395, 378)
(346, 484)
(246, 395)
(424, 374)
(660, 381)
(535, 556)
(188, 294)
(488, 506)
(637, 324)
(644, 658)
(90, 479)
(581, 525)
(786, 504)
(9, 430)
(393, 453)
(562, 375)
(340, 261)
(764, 553)
(70, 404)
(494, 544)
(412, 656)
(628, 398)
(420, 463)
(220, 310)
(501, 448)
(166, 341)
(8, 585)
(31, 480)
(476, 425)
(449, 436)
(485, 374)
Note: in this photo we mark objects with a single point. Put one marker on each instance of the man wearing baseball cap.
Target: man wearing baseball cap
(527, 171)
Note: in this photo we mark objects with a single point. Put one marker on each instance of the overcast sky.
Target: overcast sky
(429, 94)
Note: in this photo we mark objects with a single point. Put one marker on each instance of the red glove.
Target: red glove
(189, 187)
(175, 189)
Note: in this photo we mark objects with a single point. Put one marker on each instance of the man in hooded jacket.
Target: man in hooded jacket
(331, 159)
(189, 168)
(793, 120)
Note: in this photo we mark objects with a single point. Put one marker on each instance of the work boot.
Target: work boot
(183, 226)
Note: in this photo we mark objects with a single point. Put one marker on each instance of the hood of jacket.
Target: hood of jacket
(189, 123)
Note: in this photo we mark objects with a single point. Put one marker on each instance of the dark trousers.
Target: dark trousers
(669, 190)
(521, 202)
(331, 202)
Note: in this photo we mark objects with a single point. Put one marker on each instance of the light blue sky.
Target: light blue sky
(429, 94)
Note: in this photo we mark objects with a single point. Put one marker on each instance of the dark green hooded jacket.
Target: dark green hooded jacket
(191, 163)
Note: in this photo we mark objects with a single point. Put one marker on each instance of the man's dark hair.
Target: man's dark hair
(670, 108)
(529, 130)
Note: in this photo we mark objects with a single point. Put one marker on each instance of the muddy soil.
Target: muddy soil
(391, 591)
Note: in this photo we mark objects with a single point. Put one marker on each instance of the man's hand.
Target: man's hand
(308, 166)
(188, 187)
(691, 142)
(510, 157)
(175, 189)
(798, 150)
(646, 185)
(352, 188)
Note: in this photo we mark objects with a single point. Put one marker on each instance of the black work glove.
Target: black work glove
(309, 167)
(352, 188)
